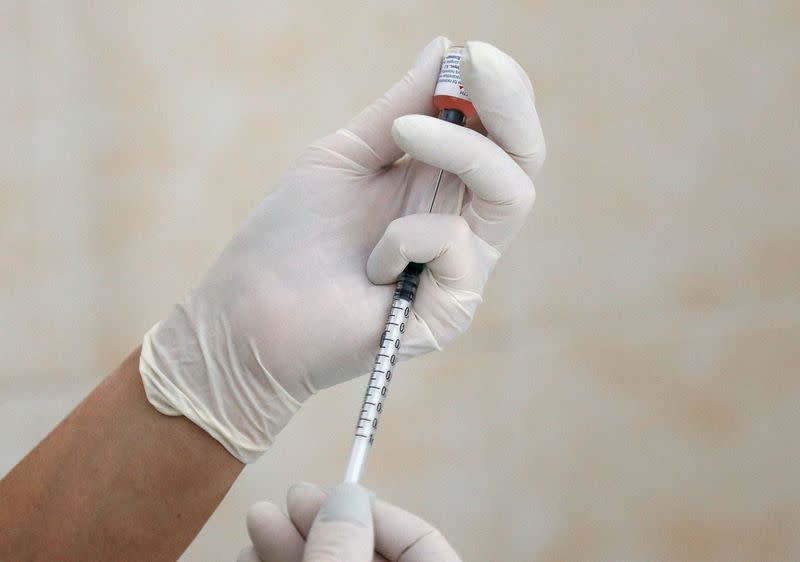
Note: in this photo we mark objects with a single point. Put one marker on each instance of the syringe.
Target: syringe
(454, 106)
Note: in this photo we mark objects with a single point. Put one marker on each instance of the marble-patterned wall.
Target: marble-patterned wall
(629, 390)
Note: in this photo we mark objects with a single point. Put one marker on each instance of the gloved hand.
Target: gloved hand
(297, 300)
(343, 528)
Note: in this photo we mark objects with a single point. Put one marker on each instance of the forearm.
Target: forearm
(114, 480)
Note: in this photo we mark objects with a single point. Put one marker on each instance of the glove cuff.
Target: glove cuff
(199, 373)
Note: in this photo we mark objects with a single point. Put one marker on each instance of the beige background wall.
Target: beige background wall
(630, 389)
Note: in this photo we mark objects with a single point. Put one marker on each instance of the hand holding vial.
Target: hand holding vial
(298, 299)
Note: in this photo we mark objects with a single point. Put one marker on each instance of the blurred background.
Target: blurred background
(630, 388)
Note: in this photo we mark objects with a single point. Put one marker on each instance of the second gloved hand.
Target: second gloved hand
(298, 298)
(341, 526)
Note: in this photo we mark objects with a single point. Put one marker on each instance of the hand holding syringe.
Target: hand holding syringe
(287, 309)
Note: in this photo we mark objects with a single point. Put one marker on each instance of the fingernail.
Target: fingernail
(300, 485)
(404, 125)
(347, 502)
(437, 44)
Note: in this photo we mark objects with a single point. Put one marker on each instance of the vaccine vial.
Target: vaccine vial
(450, 97)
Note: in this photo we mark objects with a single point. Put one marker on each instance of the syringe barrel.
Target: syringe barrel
(381, 376)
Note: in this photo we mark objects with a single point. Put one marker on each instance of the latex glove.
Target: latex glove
(297, 300)
(340, 527)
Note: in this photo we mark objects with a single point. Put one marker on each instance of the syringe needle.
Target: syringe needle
(436, 189)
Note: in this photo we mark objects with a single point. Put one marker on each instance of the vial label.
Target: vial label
(449, 82)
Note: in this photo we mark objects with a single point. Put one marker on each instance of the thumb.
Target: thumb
(367, 140)
(342, 530)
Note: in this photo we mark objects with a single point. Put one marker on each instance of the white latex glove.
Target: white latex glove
(298, 299)
(339, 527)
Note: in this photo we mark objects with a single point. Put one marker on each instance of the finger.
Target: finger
(401, 536)
(342, 529)
(503, 193)
(450, 287)
(504, 100)
(366, 141)
(397, 532)
(304, 501)
(248, 554)
(452, 252)
(273, 535)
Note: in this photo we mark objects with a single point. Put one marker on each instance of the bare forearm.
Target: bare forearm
(115, 480)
